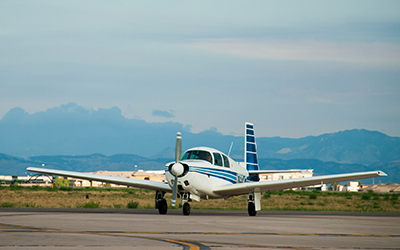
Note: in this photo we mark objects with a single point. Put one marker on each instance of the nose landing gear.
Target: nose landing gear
(186, 208)
(186, 205)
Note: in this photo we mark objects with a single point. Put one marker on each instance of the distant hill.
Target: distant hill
(73, 130)
(78, 132)
(350, 146)
(10, 165)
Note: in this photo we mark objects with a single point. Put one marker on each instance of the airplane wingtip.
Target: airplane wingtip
(381, 173)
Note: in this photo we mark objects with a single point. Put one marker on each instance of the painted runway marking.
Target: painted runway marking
(9, 228)
(191, 246)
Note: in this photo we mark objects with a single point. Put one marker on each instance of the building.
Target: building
(286, 174)
(351, 186)
(338, 188)
(291, 174)
(26, 180)
(140, 174)
(45, 180)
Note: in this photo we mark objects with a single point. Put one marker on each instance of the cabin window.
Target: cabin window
(226, 161)
(217, 159)
(197, 155)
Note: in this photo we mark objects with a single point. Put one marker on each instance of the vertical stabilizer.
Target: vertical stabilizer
(250, 151)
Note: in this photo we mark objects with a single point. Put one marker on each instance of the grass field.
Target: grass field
(66, 197)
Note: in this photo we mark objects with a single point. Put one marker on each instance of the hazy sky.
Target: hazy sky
(294, 68)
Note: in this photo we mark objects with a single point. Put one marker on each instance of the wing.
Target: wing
(277, 171)
(265, 186)
(145, 184)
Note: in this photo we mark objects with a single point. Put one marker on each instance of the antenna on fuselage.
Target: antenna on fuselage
(230, 148)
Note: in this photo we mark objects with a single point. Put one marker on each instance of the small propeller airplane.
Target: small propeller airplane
(206, 173)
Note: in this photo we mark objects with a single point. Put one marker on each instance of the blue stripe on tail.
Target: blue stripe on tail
(250, 155)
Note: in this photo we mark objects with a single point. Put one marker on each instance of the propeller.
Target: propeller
(177, 169)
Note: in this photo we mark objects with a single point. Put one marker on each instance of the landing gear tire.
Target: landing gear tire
(186, 209)
(162, 207)
(252, 209)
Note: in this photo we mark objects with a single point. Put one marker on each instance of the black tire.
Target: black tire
(162, 207)
(252, 209)
(186, 209)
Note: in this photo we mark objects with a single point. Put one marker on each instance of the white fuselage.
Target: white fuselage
(203, 176)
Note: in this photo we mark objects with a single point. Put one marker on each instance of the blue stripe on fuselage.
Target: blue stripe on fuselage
(224, 174)
(216, 176)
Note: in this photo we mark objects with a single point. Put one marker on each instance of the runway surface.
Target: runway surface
(203, 229)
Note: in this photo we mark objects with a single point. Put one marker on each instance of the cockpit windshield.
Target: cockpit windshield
(197, 155)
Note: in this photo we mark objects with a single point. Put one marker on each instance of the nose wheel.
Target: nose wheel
(186, 208)
(185, 202)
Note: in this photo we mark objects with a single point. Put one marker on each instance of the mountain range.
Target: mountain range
(74, 138)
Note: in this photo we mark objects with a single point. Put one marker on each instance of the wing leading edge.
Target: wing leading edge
(145, 184)
(265, 186)
(277, 171)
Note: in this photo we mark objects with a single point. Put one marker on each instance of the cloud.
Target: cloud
(329, 96)
(162, 113)
(304, 50)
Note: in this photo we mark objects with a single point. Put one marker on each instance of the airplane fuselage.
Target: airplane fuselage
(204, 174)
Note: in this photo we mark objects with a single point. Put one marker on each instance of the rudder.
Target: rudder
(250, 154)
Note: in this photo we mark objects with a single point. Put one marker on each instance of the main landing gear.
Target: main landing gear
(251, 208)
(162, 207)
(161, 203)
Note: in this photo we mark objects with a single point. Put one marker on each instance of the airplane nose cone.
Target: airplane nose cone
(177, 169)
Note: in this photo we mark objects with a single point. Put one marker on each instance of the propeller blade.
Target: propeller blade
(178, 151)
(174, 189)
(178, 147)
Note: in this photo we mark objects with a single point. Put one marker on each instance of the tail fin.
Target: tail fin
(250, 154)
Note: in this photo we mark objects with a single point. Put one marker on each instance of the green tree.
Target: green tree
(14, 184)
(61, 182)
(333, 185)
